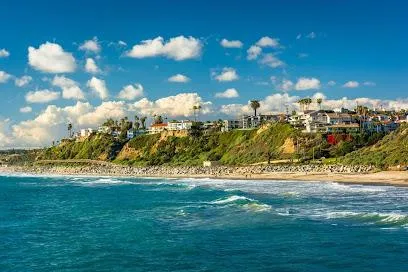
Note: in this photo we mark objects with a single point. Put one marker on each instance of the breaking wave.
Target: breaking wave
(244, 202)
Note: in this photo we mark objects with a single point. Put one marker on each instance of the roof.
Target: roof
(159, 125)
(338, 115)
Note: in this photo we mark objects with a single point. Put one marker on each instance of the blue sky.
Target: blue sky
(341, 50)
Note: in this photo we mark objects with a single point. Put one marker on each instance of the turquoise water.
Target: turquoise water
(117, 224)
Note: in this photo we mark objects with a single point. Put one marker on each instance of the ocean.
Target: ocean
(151, 224)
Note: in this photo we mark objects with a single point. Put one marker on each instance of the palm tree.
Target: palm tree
(69, 130)
(143, 121)
(319, 102)
(196, 110)
(302, 104)
(254, 104)
(136, 123)
(308, 101)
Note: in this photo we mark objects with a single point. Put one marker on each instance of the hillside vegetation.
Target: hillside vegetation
(233, 147)
(96, 147)
(389, 151)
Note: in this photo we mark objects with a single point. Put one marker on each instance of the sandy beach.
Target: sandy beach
(302, 173)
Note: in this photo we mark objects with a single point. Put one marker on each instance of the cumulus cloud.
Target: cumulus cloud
(227, 74)
(4, 77)
(91, 67)
(51, 58)
(165, 106)
(98, 86)
(256, 50)
(70, 88)
(268, 42)
(275, 103)
(22, 81)
(4, 53)
(331, 83)
(131, 92)
(179, 78)
(228, 93)
(231, 43)
(271, 60)
(91, 46)
(253, 52)
(177, 48)
(351, 84)
(286, 85)
(26, 109)
(305, 83)
(41, 96)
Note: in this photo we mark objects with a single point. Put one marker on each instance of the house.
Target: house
(253, 121)
(232, 124)
(343, 128)
(179, 125)
(157, 128)
(334, 118)
(86, 132)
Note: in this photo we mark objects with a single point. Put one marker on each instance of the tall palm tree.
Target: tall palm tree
(254, 104)
(319, 102)
(136, 123)
(143, 121)
(196, 110)
(69, 130)
(302, 104)
(308, 101)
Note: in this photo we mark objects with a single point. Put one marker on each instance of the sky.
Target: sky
(81, 62)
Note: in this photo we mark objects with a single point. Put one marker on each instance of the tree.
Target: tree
(302, 104)
(143, 121)
(196, 110)
(136, 124)
(254, 104)
(319, 102)
(308, 101)
(158, 119)
(69, 130)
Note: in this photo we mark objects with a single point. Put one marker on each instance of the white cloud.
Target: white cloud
(70, 88)
(253, 52)
(227, 74)
(165, 106)
(268, 42)
(91, 46)
(228, 93)
(331, 83)
(22, 81)
(91, 67)
(131, 92)
(271, 60)
(42, 96)
(369, 83)
(286, 85)
(179, 78)
(99, 87)
(303, 55)
(351, 84)
(299, 36)
(26, 109)
(231, 44)
(51, 58)
(4, 53)
(4, 77)
(305, 83)
(177, 48)
(311, 35)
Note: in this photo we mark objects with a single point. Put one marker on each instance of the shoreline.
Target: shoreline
(381, 178)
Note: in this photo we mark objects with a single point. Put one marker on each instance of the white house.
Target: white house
(157, 128)
(180, 125)
(86, 132)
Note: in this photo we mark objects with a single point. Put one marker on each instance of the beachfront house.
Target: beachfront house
(179, 125)
(231, 124)
(86, 132)
(157, 128)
